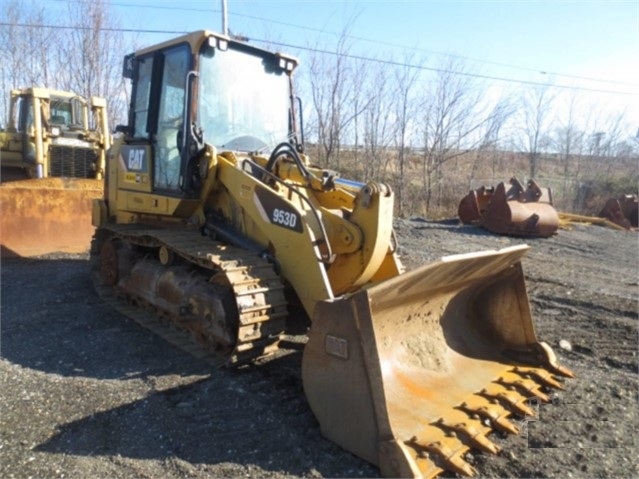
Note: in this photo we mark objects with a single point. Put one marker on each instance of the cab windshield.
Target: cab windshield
(66, 112)
(61, 112)
(243, 102)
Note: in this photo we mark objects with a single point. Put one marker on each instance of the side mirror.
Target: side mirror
(126, 129)
(128, 66)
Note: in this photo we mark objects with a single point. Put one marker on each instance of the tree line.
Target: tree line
(432, 129)
(83, 54)
(435, 133)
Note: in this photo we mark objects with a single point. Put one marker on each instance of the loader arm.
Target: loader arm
(281, 225)
(321, 253)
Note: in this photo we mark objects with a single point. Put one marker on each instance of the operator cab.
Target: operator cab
(203, 88)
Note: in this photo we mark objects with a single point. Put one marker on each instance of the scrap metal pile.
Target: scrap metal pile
(512, 210)
(622, 211)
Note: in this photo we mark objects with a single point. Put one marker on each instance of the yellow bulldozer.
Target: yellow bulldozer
(215, 226)
(52, 154)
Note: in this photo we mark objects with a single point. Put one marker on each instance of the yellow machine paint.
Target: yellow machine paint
(52, 154)
(215, 224)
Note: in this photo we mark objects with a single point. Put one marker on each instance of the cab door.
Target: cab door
(168, 128)
(151, 159)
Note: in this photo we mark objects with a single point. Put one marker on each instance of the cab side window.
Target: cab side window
(24, 106)
(141, 107)
(170, 117)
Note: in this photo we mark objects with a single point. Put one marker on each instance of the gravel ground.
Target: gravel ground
(85, 392)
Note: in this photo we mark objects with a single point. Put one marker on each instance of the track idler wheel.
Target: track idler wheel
(114, 262)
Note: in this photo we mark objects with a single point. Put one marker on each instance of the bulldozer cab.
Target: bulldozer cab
(60, 109)
(53, 133)
(68, 113)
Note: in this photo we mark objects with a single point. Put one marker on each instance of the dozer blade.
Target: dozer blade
(413, 372)
(49, 215)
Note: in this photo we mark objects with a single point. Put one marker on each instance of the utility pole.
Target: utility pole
(225, 20)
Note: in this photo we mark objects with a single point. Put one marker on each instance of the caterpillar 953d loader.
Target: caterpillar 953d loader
(214, 223)
(52, 155)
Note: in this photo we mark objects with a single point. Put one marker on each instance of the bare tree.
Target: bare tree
(490, 136)
(378, 124)
(535, 122)
(569, 145)
(452, 118)
(406, 77)
(613, 133)
(10, 57)
(25, 55)
(94, 50)
(335, 83)
(39, 49)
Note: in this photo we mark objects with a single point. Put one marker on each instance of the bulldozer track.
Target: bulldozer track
(257, 289)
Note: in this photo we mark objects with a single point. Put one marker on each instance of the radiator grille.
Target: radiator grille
(72, 162)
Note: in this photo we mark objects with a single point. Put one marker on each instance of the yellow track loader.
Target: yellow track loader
(52, 155)
(215, 227)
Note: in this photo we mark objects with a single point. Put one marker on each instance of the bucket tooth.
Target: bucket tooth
(453, 459)
(471, 435)
(553, 364)
(427, 468)
(450, 458)
(563, 371)
(509, 398)
(399, 459)
(494, 413)
(501, 422)
(540, 375)
(527, 386)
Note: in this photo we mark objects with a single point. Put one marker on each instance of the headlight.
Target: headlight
(55, 131)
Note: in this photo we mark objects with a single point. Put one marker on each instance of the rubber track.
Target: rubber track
(258, 290)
